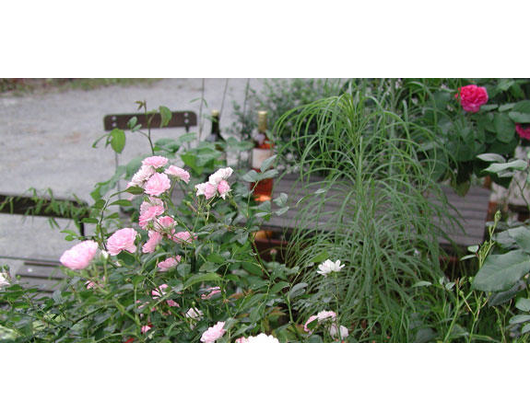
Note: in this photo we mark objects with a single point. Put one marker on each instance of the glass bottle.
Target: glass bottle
(216, 137)
(262, 150)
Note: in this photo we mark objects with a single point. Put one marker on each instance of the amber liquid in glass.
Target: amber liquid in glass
(262, 150)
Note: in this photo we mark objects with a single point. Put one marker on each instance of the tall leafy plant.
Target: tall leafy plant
(371, 211)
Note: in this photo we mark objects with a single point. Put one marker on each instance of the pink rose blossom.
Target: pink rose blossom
(342, 331)
(472, 97)
(169, 263)
(165, 223)
(79, 256)
(150, 202)
(162, 291)
(90, 285)
(311, 319)
(223, 188)
(180, 173)
(158, 184)
(155, 161)
(321, 316)
(220, 175)
(122, 240)
(216, 183)
(141, 177)
(146, 328)
(523, 132)
(242, 340)
(213, 333)
(207, 189)
(154, 239)
(149, 214)
(183, 237)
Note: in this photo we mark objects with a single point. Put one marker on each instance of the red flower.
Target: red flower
(523, 132)
(472, 97)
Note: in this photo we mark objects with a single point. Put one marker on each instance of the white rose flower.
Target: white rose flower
(329, 266)
(343, 331)
(219, 175)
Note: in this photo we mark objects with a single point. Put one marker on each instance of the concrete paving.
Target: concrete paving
(46, 138)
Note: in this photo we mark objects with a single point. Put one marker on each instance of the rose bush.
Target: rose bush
(181, 267)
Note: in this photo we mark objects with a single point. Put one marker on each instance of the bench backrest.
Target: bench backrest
(46, 207)
(184, 119)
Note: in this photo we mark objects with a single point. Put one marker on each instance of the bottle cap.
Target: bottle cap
(215, 112)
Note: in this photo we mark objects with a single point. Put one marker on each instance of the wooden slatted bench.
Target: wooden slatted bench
(46, 206)
(182, 119)
(471, 211)
(37, 272)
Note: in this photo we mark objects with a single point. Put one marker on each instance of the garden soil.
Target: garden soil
(46, 142)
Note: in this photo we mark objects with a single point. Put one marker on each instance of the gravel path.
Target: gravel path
(46, 138)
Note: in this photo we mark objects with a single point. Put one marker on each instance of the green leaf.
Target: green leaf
(501, 272)
(123, 203)
(422, 284)
(522, 106)
(504, 126)
(117, 141)
(267, 163)
(519, 117)
(519, 319)
(298, 289)
(323, 256)
(135, 190)
(132, 123)
(250, 176)
(506, 169)
(521, 235)
(279, 286)
(166, 115)
(271, 173)
(521, 112)
(525, 329)
(281, 200)
(491, 157)
(523, 304)
(199, 278)
(241, 146)
(252, 268)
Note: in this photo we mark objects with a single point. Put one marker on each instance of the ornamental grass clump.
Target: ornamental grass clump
(370, 211)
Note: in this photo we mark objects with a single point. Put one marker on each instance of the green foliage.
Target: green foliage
(375, 148)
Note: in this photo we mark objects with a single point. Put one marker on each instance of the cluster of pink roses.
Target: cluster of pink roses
(155, 183)
(217, 184)
(155, 180)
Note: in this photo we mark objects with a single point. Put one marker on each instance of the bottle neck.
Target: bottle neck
(215, 125)
(262, 122)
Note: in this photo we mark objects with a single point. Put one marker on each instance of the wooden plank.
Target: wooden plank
(471, 211)
(41, 274)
